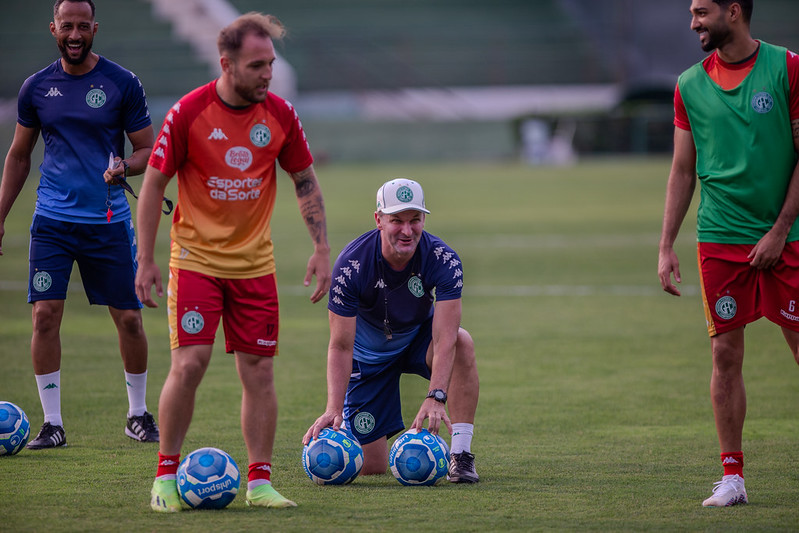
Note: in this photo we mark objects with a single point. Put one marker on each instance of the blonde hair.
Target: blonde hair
(232, 36)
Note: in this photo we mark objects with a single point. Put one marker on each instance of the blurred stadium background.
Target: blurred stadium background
(545, 81)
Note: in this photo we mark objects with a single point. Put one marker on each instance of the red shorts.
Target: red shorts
(248, 309)
(735, 294)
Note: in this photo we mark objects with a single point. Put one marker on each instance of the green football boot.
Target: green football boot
(164, 496)
(266, 496)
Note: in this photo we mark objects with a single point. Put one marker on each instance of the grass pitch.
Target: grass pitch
(594, 411)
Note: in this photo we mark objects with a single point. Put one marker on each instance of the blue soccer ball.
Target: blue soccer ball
(208, 478)
(335, 458)
(418, 458)
(14, 428)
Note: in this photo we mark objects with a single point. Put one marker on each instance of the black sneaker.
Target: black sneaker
(142, 428)
(461, 468)
(49, 436)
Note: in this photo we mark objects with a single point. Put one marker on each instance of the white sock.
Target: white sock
(49, 386)
(462, 437)
(136, 385)
(257, 483)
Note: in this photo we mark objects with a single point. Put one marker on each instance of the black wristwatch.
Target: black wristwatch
(438, 395)
(126, 167)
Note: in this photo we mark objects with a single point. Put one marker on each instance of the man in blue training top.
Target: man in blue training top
(383, 324)
(83, 105)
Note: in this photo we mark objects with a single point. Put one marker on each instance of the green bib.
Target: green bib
(744, 149)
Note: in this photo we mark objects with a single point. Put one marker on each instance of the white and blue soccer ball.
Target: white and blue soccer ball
(14, 428)
(335, 458)
(419, 458)
(208, 478)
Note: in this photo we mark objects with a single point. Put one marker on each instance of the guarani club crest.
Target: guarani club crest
(404, 194)
(42, 281)
(192, 322)
(96, 98)
(260, 135)
(726, 307)
(364, 423)
(415, 286)
(762, 102)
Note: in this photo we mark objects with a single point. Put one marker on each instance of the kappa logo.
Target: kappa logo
(167, 462)
(729, 461)
(51, 386)
(218, 135)
(53, 92)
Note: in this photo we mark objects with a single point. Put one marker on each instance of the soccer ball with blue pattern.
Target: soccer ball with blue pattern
(208, 478)
(418, 458)
(14, 428)
(335, 458)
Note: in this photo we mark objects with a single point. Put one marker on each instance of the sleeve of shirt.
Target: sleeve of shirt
(793, 81)
(26, 113)
(449, 273)
(680, 114)
(137, 115)
(343, 298)
(171, 143)
(296, 153)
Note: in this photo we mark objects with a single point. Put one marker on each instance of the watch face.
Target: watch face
(438, 395)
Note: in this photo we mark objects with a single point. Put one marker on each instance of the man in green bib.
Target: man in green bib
(736, 117)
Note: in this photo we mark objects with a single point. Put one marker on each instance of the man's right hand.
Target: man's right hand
(147, 275)
(328, 419)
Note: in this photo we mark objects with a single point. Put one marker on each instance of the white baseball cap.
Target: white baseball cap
(400, 194)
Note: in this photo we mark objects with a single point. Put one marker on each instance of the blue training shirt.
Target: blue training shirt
(82, 119)
(366, 287)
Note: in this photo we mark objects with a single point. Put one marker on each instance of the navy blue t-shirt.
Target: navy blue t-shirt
(366, 287)
(83, 119)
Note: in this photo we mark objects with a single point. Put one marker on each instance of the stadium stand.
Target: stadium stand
(128, 34)
(361, 45)
(384, 79)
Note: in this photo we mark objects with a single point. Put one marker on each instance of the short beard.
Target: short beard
(81, 58)
(716, 40)
(248, 95)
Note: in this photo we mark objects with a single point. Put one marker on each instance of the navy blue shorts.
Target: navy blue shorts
(372, 407)
(106, 257)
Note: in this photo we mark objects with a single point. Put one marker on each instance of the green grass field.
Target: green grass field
(594, 410)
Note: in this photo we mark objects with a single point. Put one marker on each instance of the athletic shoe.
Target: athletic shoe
(729, 491)
(266, 496)
(142, 428)
(164, 496)
(49, 436)
(461, 468)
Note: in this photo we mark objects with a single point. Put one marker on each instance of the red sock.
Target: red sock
(167, 465)
(733, 463)
(259, 471)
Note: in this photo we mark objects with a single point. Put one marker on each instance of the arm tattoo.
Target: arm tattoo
(795, 129)
(312, 205)
(304, 182)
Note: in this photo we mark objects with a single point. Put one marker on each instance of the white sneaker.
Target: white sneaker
(729, 491)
